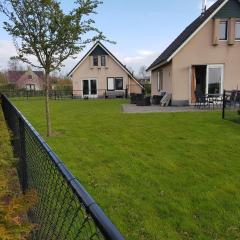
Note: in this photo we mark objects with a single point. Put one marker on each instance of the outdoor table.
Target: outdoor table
(214, 99)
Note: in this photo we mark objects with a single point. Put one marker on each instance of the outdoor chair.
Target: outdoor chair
(141, 100)
(233, 99)
(166, 100)
(133, 98)
(156, 99)
(201, 100)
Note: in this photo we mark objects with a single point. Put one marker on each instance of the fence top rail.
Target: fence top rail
(104, 224)
(231, 91)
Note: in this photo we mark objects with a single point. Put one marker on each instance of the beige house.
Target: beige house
(100, 74)
(204, 58)
(29, 79)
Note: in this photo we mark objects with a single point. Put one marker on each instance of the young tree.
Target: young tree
(14, 64)
(42, 29)
(130, 69)
(142, 72)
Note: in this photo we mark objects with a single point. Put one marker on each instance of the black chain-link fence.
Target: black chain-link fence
(64, 211)
(66, 94)
(231, 106)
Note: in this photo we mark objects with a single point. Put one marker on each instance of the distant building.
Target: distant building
(144, 81)
(100, 74)
(30, 80)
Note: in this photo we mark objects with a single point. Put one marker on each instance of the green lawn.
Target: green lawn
(157, 176)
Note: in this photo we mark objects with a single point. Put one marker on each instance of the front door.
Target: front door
(90, 88)
(215, 74)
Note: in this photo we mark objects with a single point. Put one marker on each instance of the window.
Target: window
(30, 77)
(223, 31)
(114, 83)
(237, 30)
(95, 61)
(103, 61)
(119, 83)
(110, 84)
(30, 87)
(214, 79)
(160, 81)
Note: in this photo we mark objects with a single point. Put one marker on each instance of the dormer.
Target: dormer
(226, 24)
(98, 58)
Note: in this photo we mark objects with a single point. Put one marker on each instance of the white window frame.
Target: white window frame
(29, 87)
(237, 23)
(101, 58)
(222, 74)
(112, 86)
(227, 28)
(89, 86)
(122, 83)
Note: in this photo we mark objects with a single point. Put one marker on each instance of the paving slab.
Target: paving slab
(132, 108)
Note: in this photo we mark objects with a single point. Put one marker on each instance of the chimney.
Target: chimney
(204, 6)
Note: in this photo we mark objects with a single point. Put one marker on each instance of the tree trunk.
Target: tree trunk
(48, 118)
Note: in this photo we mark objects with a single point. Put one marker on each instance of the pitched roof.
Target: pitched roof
(40, 74)
(14, 76)
(186, 34)
(109, 53)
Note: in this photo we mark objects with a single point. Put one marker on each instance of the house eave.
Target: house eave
(158, 66)
(196, 31)
(188, 39)
(113, 57)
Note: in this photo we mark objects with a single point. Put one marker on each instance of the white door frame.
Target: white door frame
(89, 95)
(221, 66)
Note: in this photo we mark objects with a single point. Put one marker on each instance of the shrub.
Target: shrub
(8, 87)
(147, 89)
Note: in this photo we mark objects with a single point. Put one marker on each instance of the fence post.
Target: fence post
(224, 104)
(22, 156)
(126, 93)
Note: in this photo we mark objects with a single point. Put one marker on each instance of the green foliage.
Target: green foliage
(44, 30)
(63, 84)
(147, 89)
(157, 175)
(13, 205)
(8, 86)
(3, 79)
(63, 88)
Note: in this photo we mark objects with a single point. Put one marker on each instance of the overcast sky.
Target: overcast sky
(142, 29)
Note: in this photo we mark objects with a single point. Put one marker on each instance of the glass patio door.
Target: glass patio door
(90, 88)
(215, 74)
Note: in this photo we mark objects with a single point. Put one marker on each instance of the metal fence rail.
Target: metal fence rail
(64, 94)
(65, 211)
(231, 105)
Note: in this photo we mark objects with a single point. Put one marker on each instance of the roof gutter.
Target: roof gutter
(184, 44)
(158, 65)
(196, 31)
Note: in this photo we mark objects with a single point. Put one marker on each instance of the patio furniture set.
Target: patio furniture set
(208, 100)
(163, 99)
(233, 100)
